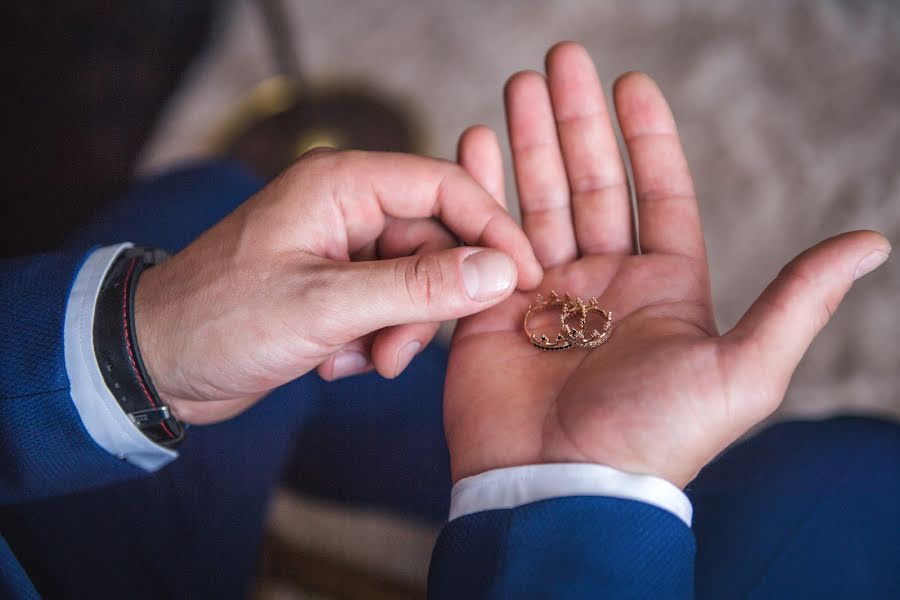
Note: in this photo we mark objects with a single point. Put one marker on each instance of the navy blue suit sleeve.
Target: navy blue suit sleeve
(573, 547)
(44, 447)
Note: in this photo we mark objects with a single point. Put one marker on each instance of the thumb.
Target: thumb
(434, 286)
(778, 328)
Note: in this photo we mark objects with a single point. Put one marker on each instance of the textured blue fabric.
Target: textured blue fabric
(578, 547)
(802, 510)
(14, 582)
(45, 448)
(190, 530)
(382, 442)
(171, 210)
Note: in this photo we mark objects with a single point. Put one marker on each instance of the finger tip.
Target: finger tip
(530, 277)
(473, 143)
(641, 105)
(881, 241)
(326, 370)
(875, 251)
(387, 372)
(521, 79)
(564, 51)
(478, 130)
(632, 82)
(865, 240)
(564, 47)
(346, 363)
(469, 136)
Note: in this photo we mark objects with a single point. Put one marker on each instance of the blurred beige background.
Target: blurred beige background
(789, 111)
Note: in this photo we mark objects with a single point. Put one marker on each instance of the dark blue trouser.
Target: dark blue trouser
(796, 508)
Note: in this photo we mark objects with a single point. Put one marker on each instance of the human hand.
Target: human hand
(339, 264)
(666, 393)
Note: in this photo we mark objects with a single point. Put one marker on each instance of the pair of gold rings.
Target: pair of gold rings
(568, 336)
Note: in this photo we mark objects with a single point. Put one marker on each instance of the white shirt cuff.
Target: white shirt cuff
(514, 486)
(101, 414)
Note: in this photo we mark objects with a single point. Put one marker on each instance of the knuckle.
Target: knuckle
(320, 159)
(424, 280)
(448, 165)
(802, 282)
(450, 171)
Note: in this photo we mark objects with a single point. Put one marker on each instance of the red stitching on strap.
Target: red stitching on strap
(128, 342)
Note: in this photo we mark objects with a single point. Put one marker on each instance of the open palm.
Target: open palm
(666, 393)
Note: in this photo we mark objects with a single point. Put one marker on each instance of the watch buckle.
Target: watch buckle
(150, 416)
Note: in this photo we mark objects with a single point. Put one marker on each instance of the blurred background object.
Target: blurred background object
(286, 115)
(85, 83)
(789, 112)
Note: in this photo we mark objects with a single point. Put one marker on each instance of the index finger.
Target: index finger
(367, 186)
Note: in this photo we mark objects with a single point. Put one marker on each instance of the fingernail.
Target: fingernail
(487, 274)
(348, 362)
(406, 354)
(869, 263)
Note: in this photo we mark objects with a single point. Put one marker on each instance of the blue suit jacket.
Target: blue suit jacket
(46, 450)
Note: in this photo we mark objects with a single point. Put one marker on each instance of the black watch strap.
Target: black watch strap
(118, 354)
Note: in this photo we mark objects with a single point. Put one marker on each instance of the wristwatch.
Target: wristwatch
(118, 354)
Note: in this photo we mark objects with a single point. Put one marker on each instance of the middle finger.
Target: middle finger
(601, 202)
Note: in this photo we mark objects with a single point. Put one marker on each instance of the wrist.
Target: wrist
(475, 460)
(149, 324)
(118, 354)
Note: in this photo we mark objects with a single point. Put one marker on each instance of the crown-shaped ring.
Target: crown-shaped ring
(568, 336)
